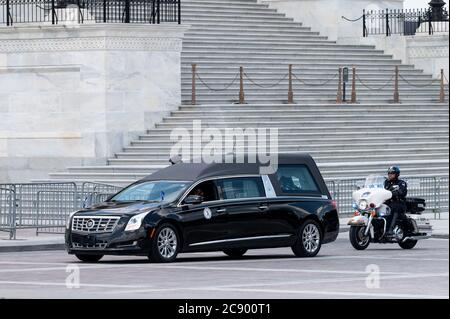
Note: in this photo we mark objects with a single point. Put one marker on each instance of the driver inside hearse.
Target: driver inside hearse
(207, 190)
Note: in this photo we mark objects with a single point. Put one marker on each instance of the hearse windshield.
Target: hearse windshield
(153, 191)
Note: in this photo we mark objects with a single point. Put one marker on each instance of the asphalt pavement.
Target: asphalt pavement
(339, 271)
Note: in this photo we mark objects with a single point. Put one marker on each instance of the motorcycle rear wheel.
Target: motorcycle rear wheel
(408, 244)
(357, 238)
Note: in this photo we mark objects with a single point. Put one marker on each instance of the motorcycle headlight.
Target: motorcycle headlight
(363, 205)
(135, 222)
(69, 219)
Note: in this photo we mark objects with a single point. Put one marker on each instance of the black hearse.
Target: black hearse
(192, 207)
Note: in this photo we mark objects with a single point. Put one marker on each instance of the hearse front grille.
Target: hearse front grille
(88, 246)
(92, 225)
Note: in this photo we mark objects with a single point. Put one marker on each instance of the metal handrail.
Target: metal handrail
(98, 11)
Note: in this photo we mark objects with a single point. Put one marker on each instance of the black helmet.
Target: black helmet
(394, 169)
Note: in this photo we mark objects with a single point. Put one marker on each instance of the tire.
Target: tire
(235, 252)
(89, 258)
(165, 245)
(355, 238)
(408, 244)
(309, 240)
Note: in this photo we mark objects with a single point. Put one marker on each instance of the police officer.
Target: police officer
(399, 190)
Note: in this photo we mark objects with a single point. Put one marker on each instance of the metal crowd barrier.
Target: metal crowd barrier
(433, 189)
(46, 206)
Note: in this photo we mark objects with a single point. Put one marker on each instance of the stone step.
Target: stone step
(276, 120)
(282, 52)
(306, 141)
(276, 87)
(286, 49)
(322, 153)
(317, 146)
(313, 108)
(250, 42)
(239, 112)
(317, 123)
(331, 172)
(224, 7)
(227, 18)
(303, 64)
(125, 182)
(326, 168)
(248, 27)
(218, 71)
(219, 4)
(190, 14)
(328, 159)
(280, 98)
(316, 134)
(257, 34)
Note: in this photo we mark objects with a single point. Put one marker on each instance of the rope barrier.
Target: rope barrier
(352, 20)
(419, 86)
(265, 86)
(217, 90)
(374, 89)
(445, 78)
(315, 84)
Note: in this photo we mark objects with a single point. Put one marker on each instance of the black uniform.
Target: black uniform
(397, 203)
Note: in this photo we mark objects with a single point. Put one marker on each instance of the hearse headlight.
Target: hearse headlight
(363, 205)
(69, 219)
(135, 222)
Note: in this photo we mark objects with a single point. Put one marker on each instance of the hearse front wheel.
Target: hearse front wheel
(89, 258)
(309, 240)
(235, 252)
(165, 244)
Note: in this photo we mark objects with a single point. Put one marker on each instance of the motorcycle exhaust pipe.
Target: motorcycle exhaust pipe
(416, 237)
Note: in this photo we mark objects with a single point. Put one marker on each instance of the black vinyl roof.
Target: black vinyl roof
(196, 171)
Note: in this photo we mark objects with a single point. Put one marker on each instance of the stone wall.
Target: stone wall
(72, 95)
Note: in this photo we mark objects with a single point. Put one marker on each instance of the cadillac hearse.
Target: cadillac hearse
(197, 207)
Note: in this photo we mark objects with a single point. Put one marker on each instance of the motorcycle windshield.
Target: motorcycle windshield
(374, 181)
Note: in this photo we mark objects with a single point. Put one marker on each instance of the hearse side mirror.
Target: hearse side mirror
(193, 200)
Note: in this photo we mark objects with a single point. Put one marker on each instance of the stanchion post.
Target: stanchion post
(194, 74)
(339, 90)
(353, 100)
(290, 91)
(241, 85)
(396, 94)
(442, 91)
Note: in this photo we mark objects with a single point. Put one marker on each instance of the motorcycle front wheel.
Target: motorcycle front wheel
(358, 240)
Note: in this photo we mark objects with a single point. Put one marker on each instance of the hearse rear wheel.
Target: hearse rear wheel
(235, 252)
(89, 258)
(309, 240)
(165, 244)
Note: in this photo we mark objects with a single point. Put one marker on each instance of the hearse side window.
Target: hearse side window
(241, 187)
(295, 179)
(207, 190)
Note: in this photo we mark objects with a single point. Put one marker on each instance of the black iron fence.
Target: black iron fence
(404, 22)
(85, 11)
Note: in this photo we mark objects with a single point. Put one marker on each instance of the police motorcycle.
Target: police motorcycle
(372, 218)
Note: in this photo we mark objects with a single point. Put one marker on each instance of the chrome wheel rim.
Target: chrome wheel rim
(167, 243)
(311, 238)
(362, 239)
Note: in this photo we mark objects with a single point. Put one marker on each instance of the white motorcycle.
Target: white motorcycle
(372, 218)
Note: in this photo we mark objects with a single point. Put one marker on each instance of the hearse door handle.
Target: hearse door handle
(263, 207)
(221, 211)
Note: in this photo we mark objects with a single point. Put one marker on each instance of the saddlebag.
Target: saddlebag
(415, 205)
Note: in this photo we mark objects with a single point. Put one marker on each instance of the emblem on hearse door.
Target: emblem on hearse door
(207, 213)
